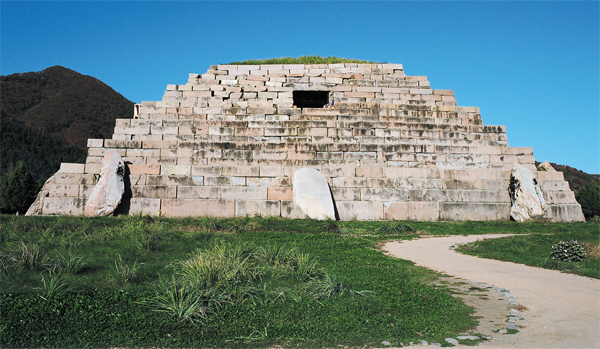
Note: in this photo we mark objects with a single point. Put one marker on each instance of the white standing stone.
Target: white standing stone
(109, 190)
(312, 197)
(527, 201)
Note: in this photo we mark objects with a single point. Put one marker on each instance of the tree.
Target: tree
(589, 199)
(18, 190)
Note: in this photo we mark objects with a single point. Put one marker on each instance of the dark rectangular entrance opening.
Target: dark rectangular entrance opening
(311, 99)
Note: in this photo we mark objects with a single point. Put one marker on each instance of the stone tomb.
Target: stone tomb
(228, 143)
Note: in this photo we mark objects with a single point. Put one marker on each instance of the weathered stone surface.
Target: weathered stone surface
(546, 167)
(414, 211)
(565, 213)
(229, 142)
(474, 211)
(312, 197)
(527, 201)
(109, 190)
(63, 206)
(37, 207)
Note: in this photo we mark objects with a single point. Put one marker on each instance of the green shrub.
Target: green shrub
(589, 199)
(17, 191)
(568, 251)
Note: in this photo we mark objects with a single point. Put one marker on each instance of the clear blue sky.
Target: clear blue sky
(532, 66)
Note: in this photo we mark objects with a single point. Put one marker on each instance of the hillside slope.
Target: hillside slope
(576, 178)
(63, 104)
(47, 117)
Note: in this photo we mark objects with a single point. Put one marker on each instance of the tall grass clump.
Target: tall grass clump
(394, 229)
(28, 257)
(225, 273)
(148, 236)
(68, 263)
(122, 273)
(182, 301)
(54, 286)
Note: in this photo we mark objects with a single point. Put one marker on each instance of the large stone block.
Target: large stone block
(414, 211)
(198, 192)
(565, 213)
(153, 191)
(71, 168)
(360, 210)
(197, 208)
(66, 190)
(244, 193)
(280, 194)
(68, 206)
(262, 208)
(461, 211)
(139, 206)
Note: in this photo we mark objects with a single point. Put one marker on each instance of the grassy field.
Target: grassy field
(536, 250)
(250, 282)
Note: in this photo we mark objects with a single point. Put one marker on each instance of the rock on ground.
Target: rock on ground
(109, 190)
(312, 197)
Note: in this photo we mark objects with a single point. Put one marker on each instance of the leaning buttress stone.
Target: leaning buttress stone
(109, 190)
(311, 194)
(527, 201)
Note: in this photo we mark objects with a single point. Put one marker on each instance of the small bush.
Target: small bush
(568, 251)
(391, 229)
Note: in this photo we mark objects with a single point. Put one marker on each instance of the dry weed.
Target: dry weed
(593, 250)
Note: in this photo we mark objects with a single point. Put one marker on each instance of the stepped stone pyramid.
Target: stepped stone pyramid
(228, 142)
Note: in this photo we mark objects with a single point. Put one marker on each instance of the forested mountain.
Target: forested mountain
(576, 178)
(48, 116)
(62, 104)
(40, 154)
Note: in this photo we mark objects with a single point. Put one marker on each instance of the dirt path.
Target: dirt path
(563, 309)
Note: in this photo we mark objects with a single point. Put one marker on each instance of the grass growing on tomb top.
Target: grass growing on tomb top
(300, 60)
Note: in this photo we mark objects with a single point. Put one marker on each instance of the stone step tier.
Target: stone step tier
(371, 193)
(228, 143)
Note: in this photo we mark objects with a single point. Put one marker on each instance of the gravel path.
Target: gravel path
(563, 310)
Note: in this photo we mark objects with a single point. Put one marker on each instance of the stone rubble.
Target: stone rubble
(545, 166)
